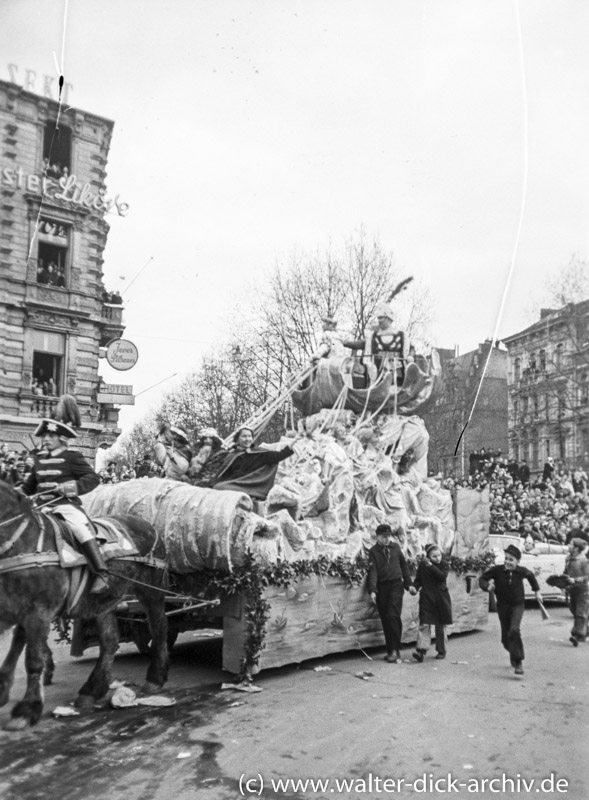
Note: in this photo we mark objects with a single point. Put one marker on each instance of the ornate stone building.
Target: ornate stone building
(445, 420)
(53, 230)
(549, 388)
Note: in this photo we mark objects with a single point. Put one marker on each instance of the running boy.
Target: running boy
(508, 579)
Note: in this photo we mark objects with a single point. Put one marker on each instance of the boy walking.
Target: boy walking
(577, 571)
(435, 605)
(508, 579)
(388, 578)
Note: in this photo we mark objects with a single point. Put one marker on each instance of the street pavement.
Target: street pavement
(363, 728)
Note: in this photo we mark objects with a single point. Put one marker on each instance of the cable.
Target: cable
(520, 223)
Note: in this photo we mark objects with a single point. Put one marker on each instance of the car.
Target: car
(543, 559)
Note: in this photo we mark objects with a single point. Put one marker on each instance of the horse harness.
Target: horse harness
(45, 558)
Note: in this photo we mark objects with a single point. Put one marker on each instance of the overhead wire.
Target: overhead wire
(524, 191)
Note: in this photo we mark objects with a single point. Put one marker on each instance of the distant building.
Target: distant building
(53, 314)
(549, 388)
(445, 420)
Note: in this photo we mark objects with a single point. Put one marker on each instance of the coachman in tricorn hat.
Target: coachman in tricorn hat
(65, 474)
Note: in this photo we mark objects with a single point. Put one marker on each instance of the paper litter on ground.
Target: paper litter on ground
(156, 700)
(65, 711)
(242, 687)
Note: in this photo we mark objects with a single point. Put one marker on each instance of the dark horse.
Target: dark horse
(33, 593)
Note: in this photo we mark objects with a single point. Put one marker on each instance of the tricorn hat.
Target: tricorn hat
(55, 426)
(514, 551)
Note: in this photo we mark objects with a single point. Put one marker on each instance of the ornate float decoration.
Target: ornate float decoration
(291, 564)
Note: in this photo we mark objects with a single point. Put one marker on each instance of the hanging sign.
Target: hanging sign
(121, 354)
(116, 394)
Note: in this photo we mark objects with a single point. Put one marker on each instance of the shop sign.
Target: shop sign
(121, 354)
(115, 399)
(28, 81)
(66, 188)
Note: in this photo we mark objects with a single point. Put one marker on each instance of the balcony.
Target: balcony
(37, 405)
(112, 326)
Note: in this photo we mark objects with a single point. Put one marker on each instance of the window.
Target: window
(547, 448)
(543, 360)
(515, 410)
(584, 389)
(558, 355)
(516, 369)
(57, 150)
(533, 361)
(52, 252)
(48, 355)
(535, 404)
(534, 458)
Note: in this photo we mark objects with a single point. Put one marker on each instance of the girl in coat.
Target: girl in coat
(435, 606)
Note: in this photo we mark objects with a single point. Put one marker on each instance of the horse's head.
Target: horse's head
(11, 502)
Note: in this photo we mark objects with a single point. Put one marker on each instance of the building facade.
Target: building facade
(449, 446)
(53, 231)
(549, 388)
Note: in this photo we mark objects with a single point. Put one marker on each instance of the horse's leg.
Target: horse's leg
(28, 711)
(8, 667)
(159, 660)
(98, 683)
(49, 666)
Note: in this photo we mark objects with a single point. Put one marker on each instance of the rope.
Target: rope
(259, 421)
(168, 592)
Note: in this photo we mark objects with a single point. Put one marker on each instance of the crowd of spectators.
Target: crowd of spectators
(552, 507)
(51, 274)
(54, 170)
(40, 386)
(113, 298)
(115, 473)
(14, 467)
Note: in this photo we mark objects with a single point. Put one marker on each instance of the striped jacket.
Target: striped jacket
(61, 466)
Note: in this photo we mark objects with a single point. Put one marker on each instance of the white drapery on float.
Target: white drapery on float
(308, 514)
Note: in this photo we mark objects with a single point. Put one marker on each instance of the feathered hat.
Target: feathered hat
(65, 417)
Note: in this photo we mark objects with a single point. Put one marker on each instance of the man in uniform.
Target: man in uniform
(65, 474)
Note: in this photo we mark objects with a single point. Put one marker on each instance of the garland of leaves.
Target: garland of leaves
(251, 579)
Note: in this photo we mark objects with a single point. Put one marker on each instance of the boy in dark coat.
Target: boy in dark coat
(508, 579)
(577, 571)
(435, 605)
(388, 578)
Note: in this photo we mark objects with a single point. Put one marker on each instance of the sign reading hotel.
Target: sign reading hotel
(116, 394)
(121, 354)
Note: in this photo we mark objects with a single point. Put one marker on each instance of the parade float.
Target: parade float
(289, 572)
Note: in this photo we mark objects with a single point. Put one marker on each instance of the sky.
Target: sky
(455, 131)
